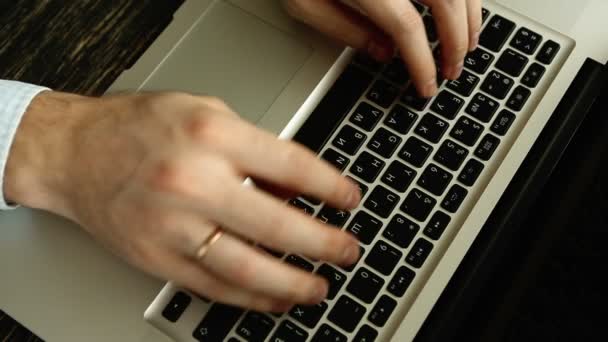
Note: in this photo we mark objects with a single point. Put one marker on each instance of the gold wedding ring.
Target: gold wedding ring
(209, 241)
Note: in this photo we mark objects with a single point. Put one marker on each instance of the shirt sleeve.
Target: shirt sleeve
(15, 97)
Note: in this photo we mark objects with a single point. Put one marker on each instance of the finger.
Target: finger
(247, 267)
(475, 21)
(259, 217)
(452, 27)
(189, 274)
(284, 163)
(402, 22)
(344, 24)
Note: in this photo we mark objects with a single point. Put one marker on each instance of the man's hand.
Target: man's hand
(389, 23)
(152, 175)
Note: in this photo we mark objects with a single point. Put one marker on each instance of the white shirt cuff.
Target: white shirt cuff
(15, 97)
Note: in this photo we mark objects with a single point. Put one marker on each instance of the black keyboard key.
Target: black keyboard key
(299, 262)
(503, 122)
(381, 201)
(335, 278)
(401, 281)
(365, 285)
(367, 167)
(518, 98)
(467, 131)
(366, 61)
(255, 327)
(288, 331)
(328, 334)
(437, 225)
(383, 257)
(471, 171)
(454, 198)
(217, 323)
(333, 108)
(346, 313)
(451, 155)
(366, 116)
(310, 315)
(497, 84)
(434, 179)
(486, 147)
(336, 159)
(382, 311)
(526, 41)
(232, 339)
(401, 231)
(333, 216)
(384, 142)
(383, 93)
(431, 30)
(366, 334)
(365, 227)
(447, 104)
(398, 176)
(418, 205)
(478, 61)
(431, 128)
(419, 252)
(548, 52)
(533, 75)
(485, 14)
(415, 151)
(273, 252)
(482, 107)
(496, 33)
(296, 203)
(176, 307)
(512, 63)
(465, 84)
(396, 71)
(401, 119)
(349, 140)
(413, 100)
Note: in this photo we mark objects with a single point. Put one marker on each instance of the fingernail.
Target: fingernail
(353, 198)
(474, 41)
(430, 88)
(351, 255)
(457, 71)
(320, 293)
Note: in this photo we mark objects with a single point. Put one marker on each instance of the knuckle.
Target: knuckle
(407, 22)
(245, 274)
(201, 128)
(165, 176)
(296, 8)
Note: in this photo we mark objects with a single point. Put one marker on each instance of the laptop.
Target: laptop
(432, 171)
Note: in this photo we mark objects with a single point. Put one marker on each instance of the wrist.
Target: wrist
(37, 169)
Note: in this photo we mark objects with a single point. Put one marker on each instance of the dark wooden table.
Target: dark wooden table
(77, 46)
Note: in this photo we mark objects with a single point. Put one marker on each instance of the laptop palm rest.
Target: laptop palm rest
(234, 55)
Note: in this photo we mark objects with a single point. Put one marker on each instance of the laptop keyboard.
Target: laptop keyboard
(415, 160)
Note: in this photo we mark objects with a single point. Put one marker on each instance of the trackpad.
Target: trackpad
(236, 56)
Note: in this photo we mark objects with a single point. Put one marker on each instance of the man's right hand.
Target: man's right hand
(152, 175)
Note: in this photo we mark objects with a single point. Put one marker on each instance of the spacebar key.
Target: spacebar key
(333, 108)
(217, 323)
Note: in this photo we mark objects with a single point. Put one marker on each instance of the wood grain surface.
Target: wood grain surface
(77, 45)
